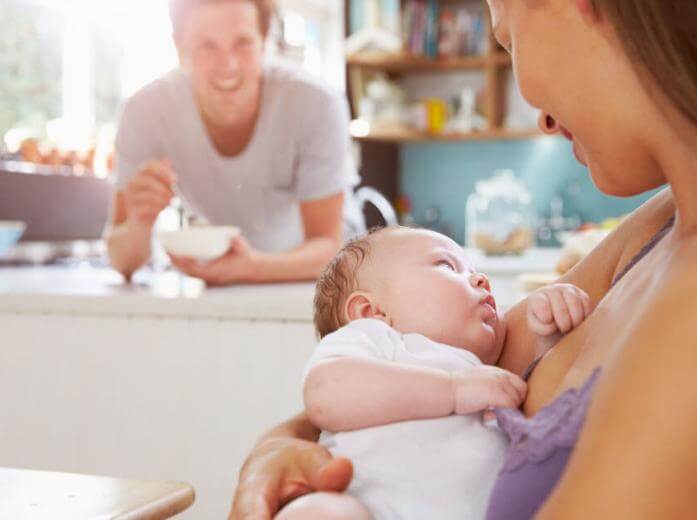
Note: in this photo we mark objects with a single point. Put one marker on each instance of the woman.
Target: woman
(619, 78)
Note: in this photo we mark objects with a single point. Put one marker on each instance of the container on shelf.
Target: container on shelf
(499, 216)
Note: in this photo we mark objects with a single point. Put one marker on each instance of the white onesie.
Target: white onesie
(440, 468)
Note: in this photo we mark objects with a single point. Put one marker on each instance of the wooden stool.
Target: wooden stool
(44, 495)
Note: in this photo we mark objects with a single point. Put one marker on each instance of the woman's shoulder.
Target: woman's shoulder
(596, 272)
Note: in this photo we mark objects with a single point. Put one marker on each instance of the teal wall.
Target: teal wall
(443, 175)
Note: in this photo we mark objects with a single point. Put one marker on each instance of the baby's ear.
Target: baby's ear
(360, 305)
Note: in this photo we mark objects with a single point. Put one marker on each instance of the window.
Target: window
(67, 65)
(311, 34)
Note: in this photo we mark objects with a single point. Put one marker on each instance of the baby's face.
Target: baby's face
(424, 284)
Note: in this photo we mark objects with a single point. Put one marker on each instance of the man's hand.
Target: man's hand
(483, 387)
(281, 469)
(240, 264)
(557, 308)
(149, 192)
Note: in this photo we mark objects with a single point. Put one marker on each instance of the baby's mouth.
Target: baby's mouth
(489, 300)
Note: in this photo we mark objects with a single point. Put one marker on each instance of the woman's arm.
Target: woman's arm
(593, 274)
(345, 393)
(637, 455)
(286, 463)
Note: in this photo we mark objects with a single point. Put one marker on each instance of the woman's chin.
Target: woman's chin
(579, 154)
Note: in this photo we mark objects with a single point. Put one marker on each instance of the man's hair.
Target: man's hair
(179, 11)
(338, 280)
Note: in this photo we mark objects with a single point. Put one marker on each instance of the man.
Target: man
(246, 142)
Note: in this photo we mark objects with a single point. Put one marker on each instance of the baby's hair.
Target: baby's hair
(338, 280)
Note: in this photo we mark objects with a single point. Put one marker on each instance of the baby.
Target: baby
(409, 336)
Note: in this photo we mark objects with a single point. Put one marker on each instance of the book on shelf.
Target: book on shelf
(432, 30)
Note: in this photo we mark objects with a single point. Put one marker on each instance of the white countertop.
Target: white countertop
(101, 291)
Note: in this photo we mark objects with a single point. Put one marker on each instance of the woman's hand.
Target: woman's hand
(238, 265)
(280, 469)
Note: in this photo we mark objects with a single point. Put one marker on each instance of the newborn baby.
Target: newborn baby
(409, 333)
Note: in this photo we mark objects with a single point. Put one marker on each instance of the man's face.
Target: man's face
(221, 46)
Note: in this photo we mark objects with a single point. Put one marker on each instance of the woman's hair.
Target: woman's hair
(179, 11)
(338, 280)
(660, 36)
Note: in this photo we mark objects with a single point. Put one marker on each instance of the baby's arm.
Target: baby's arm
(347, 393)
(555, 310)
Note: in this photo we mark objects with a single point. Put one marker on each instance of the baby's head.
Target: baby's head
(415, 280)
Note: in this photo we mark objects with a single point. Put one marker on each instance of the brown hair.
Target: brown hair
(179, 10)
(660, 36)
(338, 280)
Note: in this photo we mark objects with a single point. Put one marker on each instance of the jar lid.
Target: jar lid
(503, 184)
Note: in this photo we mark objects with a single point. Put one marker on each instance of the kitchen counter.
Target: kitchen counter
(101, 291)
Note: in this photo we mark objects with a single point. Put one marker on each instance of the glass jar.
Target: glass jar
(499, 216)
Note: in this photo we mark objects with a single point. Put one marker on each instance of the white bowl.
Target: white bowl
(199, 242)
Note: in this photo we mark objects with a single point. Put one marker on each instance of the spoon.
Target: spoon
(178, 204)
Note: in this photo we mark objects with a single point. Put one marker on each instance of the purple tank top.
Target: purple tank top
(540, 446)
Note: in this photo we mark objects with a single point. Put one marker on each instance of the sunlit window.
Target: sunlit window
(67, 65)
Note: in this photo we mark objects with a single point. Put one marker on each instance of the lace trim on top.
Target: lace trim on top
(556, 426)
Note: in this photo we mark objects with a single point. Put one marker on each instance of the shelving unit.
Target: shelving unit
(408, 135)
(405, 63)
(494, 64)
(380, 146)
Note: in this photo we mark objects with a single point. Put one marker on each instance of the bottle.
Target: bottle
(499, 216)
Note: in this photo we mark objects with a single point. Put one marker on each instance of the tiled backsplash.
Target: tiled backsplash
(443, 175)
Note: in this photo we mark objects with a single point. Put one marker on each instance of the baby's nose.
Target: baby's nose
(480, 281)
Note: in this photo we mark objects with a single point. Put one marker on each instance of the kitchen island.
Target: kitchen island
(161, 379)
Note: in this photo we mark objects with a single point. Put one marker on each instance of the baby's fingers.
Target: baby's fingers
(520, 386)
(574, 304)
(560, 309)
(542, 329)
(540, 308)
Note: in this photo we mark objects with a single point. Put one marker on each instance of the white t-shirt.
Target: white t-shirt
(440, 468)
(300, 151)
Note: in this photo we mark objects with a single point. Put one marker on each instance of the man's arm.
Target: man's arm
(322, 221)
(134, 211)
(323, 225)
(128, 243)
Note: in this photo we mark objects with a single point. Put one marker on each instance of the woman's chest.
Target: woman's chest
(572, 361)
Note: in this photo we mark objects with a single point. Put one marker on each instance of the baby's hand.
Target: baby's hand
(486, 386)
(556, 308)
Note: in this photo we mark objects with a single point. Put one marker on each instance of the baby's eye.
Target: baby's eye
(446, 264)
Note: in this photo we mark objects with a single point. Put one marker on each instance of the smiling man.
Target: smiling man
(247, 142)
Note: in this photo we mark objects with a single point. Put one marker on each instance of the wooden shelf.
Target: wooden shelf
(404, 63)
(407, 135)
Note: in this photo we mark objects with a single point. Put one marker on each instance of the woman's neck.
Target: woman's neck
(679, 165)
